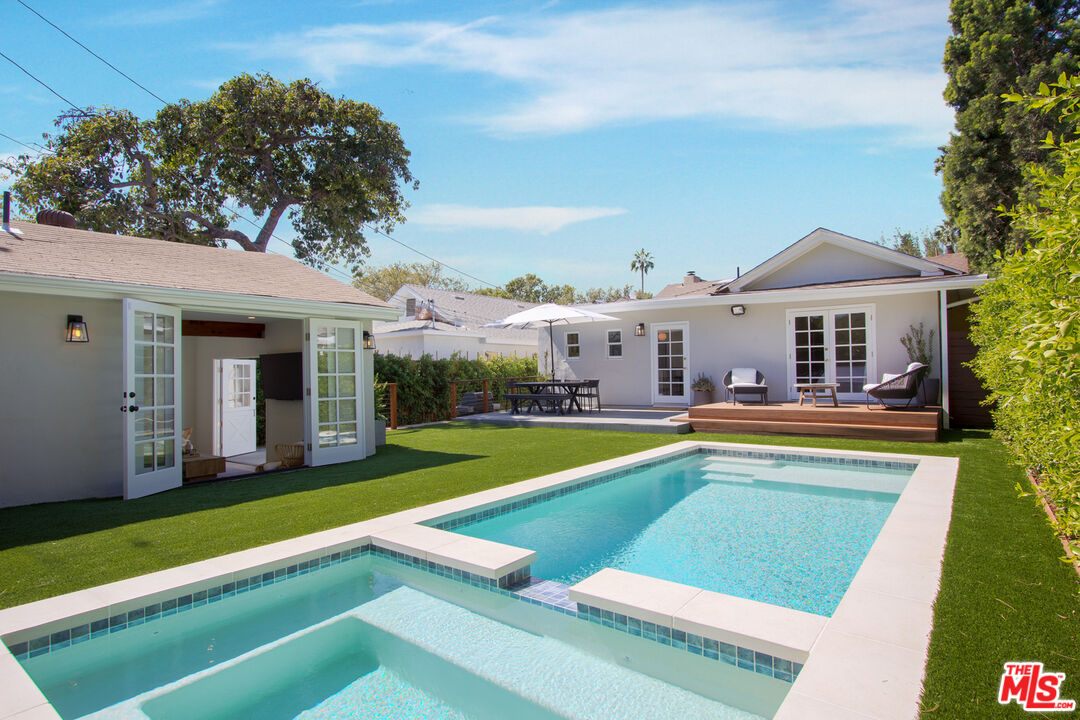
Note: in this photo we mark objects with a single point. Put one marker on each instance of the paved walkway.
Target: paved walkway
(623, 419)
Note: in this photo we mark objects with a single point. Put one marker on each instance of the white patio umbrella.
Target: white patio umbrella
(549, 314)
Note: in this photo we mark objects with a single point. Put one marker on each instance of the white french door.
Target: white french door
(831, 346)
(670, 372)
(235, 395)
(335, 406)
(152, 458)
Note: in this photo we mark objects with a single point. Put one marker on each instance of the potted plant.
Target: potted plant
(703, 388)
(920, 348)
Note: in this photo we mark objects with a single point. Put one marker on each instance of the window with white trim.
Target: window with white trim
(573, 345)
(614, 343)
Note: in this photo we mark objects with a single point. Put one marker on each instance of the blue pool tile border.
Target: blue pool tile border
(110, 623)
(461, 519)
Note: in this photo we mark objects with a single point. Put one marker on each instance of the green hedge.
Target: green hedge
(423, 386)
(1027, 326)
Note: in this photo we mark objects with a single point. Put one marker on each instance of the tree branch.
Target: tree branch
(276, 210)
(216, 231)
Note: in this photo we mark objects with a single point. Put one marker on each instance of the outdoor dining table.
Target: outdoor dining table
(570, 388)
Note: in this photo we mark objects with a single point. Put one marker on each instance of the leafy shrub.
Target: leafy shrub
(423, 386)
(1027, 326)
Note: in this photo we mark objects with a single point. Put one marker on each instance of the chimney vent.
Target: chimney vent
(7, 210)
(58, 218)
(691, 278)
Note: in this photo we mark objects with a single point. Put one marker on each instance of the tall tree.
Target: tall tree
(996, 47)
(643, 262)
(924, 243)
(383, 282)
(330, 164)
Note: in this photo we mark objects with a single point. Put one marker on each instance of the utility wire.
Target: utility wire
(43, 84)
(69, 37)
(165, 102)
(20, 142)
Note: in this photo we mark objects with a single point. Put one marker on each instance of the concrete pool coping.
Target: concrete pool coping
(866, 662)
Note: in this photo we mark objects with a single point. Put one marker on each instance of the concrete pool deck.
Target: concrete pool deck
(867, 661)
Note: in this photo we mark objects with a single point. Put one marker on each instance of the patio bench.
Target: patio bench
(554, 401)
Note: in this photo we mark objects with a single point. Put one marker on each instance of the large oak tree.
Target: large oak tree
(330, 165)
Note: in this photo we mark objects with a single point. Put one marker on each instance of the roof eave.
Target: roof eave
(201, 300)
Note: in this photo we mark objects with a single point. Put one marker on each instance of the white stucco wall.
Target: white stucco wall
(60, 421)
(435, 344)
(718, 341)
(829, 263)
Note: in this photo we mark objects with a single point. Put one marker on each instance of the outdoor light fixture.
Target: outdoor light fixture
(369, 341)
(76, 329)
(738, 310)
(639, 329)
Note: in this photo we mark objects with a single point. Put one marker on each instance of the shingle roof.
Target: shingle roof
(705, 287)
(55, 252)
(468, 308)
(956, 261)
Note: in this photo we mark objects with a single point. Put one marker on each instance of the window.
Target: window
(573, 345)
(614, 343)
(410, 307)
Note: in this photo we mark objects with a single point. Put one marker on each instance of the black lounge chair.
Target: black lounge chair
(904, 386)
(742, 384)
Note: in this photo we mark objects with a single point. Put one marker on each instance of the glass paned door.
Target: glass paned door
(831, 346)
(335, 358)
(236, 409)
(152, 459)
(671, 384)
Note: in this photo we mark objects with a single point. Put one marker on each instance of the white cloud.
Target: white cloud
(538, 219)
(846, 63)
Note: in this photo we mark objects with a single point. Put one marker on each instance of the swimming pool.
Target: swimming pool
(366, 618)
(790, 533)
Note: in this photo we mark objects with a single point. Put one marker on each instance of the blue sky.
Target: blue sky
(558, 138)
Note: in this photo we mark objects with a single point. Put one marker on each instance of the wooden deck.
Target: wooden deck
(850, 420)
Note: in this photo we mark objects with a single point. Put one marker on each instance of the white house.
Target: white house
(173, 333)
(828, 308)
(442, 323)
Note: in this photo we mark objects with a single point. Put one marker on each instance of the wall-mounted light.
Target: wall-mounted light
(639, 330)
(369, 341)
(76, 329)
(738, 310)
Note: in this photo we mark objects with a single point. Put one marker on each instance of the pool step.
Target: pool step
(723, 465)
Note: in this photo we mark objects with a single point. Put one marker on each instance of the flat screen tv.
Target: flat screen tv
(282, 376)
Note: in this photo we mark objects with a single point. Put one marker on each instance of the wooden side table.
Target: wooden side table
(199, 467)
(816, 390)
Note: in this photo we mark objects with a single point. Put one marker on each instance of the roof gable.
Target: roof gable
(47, 251)
(825, 256)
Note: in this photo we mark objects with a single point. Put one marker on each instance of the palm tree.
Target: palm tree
(643, 262)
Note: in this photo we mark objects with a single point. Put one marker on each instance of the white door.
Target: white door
(236, 407)
(670, 374)
(152, 459)
(831, 346)
(334, 410)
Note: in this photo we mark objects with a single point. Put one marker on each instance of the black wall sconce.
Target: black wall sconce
(738, 310)
(369, 341)
(639, 330)
(76, 329)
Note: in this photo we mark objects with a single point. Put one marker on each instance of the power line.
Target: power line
(69, 37)
(20, 142)
(43, 84)
(194, 186)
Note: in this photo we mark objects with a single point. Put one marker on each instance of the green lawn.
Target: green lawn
(1005, 595)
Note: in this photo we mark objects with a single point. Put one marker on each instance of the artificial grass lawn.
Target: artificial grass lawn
(1004, 596)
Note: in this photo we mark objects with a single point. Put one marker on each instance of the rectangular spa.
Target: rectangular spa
(786, 532)
(697, 580)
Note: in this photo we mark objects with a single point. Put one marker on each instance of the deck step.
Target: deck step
(809, 415)
(840, 430)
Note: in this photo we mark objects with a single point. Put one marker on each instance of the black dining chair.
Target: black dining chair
(590, 395)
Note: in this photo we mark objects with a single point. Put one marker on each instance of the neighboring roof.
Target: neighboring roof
(53, 252)
(902, 263)
(466, 307)
(956, 261)
(681, 289)
(495, 335)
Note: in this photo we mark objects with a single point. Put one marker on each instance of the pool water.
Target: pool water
(786, 533)
(352, 641)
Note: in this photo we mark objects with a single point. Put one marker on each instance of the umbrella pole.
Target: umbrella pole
(551, 343)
